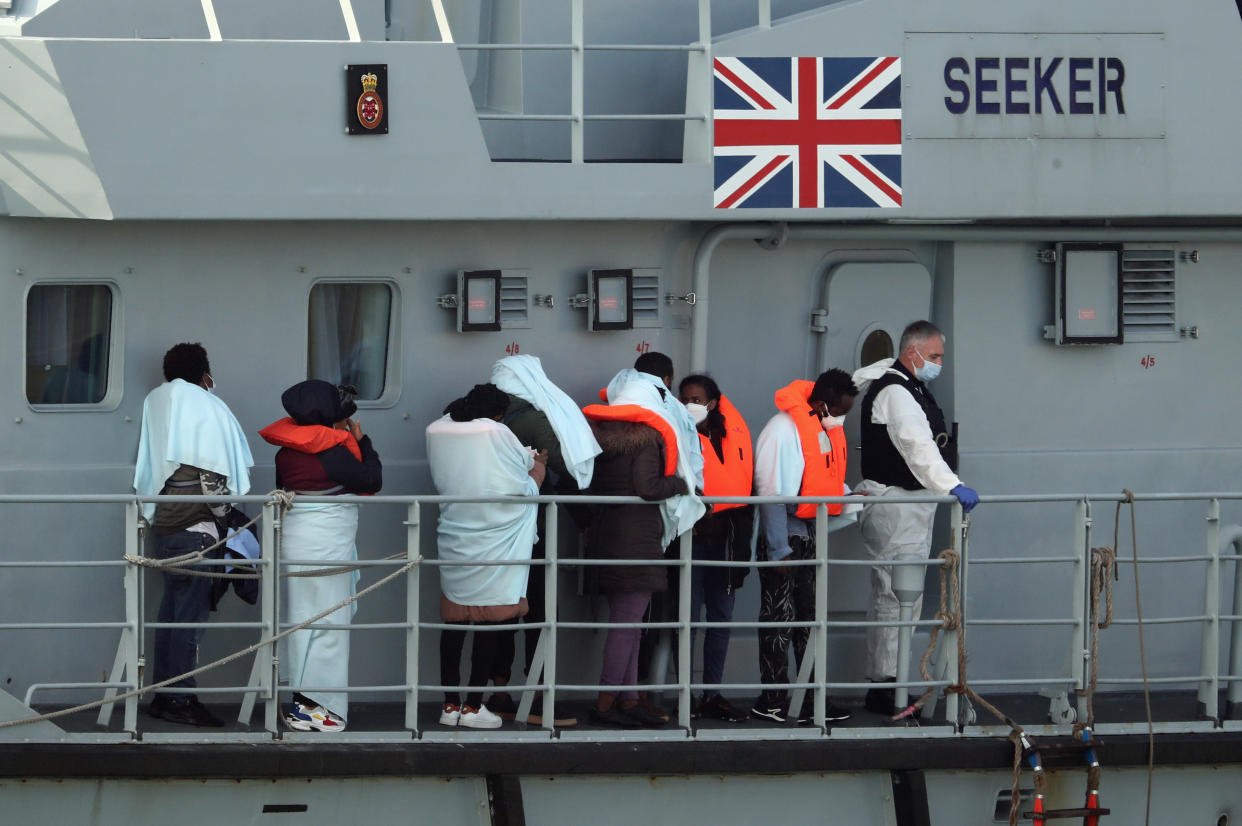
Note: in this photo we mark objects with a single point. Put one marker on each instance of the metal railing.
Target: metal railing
(129, 665)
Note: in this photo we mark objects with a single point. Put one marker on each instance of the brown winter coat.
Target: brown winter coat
(632, 464)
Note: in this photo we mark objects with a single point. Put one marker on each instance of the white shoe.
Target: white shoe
(479, 719)
(450, 715)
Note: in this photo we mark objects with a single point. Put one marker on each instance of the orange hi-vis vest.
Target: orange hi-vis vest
(637, 413)
(735, 475)
(309, 438)
(823, 454)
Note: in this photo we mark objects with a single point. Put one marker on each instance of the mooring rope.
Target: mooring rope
(1138, 610)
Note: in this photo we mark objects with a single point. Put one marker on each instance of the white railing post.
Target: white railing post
(1209, 690)
(696, 143)
(134, 536)
(576, 61)
(684, 651)
(412, 607)
(1234, 694)
(952, 712)
(270, 614)
(551, 577)
(820, 633)
(1079, 652)
(128, 660)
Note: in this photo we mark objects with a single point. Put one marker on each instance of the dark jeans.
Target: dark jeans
(710, 586)
(187, 599)
(483, 656)
(785, 596)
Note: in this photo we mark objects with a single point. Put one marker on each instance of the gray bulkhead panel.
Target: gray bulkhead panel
(193, 129)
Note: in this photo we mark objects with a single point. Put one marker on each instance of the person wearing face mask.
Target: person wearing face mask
(800, 452)
(906, 449)
(190, 445)
(723, 535)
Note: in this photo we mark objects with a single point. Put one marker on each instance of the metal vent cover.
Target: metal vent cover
(1148, 294)
(514, 300)
(647, 297)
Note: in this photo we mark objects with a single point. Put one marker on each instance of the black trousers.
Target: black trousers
(785, 596)
(483, 657)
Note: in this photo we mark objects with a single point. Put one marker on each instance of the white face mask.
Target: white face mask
(832, 422)
(698, 412)
(212, 389)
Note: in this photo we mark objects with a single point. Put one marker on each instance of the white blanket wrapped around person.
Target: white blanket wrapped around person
(523, 376)
(183, 424)
(482, 457)
(680, 513)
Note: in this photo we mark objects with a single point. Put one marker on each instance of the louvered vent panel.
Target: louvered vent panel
(646, 298)
(1148, 300)
(514, 302)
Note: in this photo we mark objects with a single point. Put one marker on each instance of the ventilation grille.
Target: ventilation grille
(646, 298)
(514, 302)
(1148, 301)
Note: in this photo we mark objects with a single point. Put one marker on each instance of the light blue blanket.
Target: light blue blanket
(523, 376)
(632, 387)
(183, 424)
(482, 458)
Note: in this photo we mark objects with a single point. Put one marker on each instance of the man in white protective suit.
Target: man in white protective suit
(906, 449)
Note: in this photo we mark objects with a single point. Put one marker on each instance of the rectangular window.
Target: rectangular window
(68, 342)
(348, 335)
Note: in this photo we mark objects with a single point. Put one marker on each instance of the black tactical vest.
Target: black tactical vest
(880, 460)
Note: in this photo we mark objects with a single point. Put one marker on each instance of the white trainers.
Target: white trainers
(479, 719)
(450, 714)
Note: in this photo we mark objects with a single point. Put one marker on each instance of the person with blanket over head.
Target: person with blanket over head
(323, 452)
(650, 450)
(472, 454)
(190, 445)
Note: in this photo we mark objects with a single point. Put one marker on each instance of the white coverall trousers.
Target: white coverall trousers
(900, 531)
(319, 657)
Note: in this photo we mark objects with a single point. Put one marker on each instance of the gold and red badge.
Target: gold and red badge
(370, 106)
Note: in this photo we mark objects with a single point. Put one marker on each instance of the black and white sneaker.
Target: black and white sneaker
(766, 711)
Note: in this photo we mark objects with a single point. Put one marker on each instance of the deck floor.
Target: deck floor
(1030, 711)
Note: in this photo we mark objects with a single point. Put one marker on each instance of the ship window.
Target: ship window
(349, 334)
(877, 345)
(68, 343)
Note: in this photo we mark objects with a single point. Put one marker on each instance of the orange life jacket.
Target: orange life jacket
(309, 438)
(637, 413)
(735, 475)
(823, 454)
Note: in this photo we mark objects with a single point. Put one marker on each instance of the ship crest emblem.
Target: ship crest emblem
(370, 106)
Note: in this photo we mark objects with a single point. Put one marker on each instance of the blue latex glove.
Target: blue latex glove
(966, 496)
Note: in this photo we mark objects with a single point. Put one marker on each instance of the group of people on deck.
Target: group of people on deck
(520, 435)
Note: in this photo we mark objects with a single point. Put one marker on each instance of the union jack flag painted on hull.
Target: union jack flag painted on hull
(807, 132)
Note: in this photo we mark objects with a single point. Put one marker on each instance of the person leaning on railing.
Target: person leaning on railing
(638, 431)
(470, 453)
(801, 451)
(722, 535)
(323, 452)
(907, 448)
(190, 444)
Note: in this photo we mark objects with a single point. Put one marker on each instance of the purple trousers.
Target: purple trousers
(621, 646)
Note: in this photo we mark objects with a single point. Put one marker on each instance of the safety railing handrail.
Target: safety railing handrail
(1207, 676)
